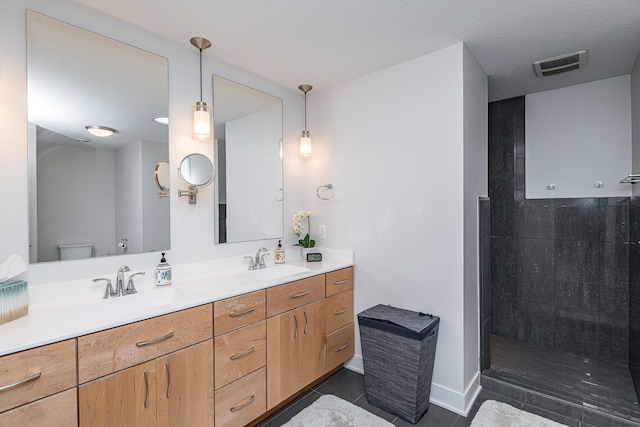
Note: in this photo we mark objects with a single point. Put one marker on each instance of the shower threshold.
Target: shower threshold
(574, 386)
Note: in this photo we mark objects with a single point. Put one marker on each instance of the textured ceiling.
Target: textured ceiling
(327, 42)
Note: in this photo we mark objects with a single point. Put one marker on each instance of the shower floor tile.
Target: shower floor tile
(596, 385)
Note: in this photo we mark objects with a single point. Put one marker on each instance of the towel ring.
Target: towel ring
(328, 187)
(281, 195)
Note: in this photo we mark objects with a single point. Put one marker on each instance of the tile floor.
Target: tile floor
(594, 386)
(349, 385)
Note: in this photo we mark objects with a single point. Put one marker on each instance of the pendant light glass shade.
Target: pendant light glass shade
(201, 121)
(305, 144)
(305, 138)
(201, 112)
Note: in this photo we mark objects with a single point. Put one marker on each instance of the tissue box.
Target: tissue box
(14, 300)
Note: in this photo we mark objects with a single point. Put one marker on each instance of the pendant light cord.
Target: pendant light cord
(305, 111)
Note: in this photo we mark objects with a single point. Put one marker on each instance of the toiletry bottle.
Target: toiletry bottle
(163, 272)
(278, 254)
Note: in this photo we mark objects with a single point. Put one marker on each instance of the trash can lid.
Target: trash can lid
(408, 323)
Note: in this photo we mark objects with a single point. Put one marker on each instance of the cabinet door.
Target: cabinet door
(185, 387)
(296, 351)
(127, 398)
(312, 349)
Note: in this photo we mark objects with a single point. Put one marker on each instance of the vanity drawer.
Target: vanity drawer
(242, 401)
(339, 346)
(339, 310)
(233, 313)
(294, 294)
(61, 409)
(33, 374)
(109, 351)
(339, 281)
(240, 352)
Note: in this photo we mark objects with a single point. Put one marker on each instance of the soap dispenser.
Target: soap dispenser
(163, 272)
(278, 254)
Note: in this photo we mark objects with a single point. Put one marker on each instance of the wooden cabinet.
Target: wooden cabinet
(168, 375)
(233, 313)
(31, 375)
(108, 351)
(173, 390)
(126, 398)
(296, 351)
(240, 357)
(294, 294)
(240, 352)
(184, 390)
(339, 281)
(340, 346)
(59, 410)
(241, 401)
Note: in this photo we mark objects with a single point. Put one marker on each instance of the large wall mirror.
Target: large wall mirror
(248, 154)
(93, 196)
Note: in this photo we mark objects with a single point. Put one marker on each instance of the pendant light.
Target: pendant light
(201, 112)
(305, 139)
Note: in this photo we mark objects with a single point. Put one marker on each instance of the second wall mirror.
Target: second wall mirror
(248, 138)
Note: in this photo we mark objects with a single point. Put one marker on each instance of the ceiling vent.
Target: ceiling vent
(561, 64)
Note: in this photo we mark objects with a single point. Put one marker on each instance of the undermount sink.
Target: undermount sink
(274, 272)
(128, 304)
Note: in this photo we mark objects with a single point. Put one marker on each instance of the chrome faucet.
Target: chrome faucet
(120, 289)
(259, 261)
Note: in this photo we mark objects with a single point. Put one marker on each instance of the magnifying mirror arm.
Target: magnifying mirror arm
(192, 193)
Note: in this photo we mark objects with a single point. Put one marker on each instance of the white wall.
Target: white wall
(476, 184)
(253, 176)
(576, 136)
(128, 195)
(82, 193)
(155, 210)
(192, 226)
(394, 145)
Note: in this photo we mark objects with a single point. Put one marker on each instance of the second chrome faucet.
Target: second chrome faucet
(120, 289)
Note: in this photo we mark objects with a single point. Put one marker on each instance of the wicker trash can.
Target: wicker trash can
(398, 349)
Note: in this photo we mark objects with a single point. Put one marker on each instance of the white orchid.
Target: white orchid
(296, 225)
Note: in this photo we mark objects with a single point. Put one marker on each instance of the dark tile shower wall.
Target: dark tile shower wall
(559, 267)
(485, 282)
(634, 291)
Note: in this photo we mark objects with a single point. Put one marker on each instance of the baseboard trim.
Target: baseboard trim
(460, 403)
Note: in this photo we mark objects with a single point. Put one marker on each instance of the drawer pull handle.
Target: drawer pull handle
(146, 385)
(306, 322)
(244, 405)
(242, 313)
(341, 311)
(301, 294)
(341, 282)
(241, 355)
(295, 334)
(342, 347)
(168, 379)
(155, 340)
(24, 381)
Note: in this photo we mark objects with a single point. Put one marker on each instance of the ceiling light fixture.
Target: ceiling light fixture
(305, 139)
(160, 120)
(100, 131)
(201, 112)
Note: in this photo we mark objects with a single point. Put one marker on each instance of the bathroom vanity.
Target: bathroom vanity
(219, 350)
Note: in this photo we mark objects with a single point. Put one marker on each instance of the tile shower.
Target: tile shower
(563, 277)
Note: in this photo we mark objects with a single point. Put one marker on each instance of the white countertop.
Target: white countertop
(65, 310)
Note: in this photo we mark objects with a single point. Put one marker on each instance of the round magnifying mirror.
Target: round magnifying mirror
(196, 170)
(161, 176)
